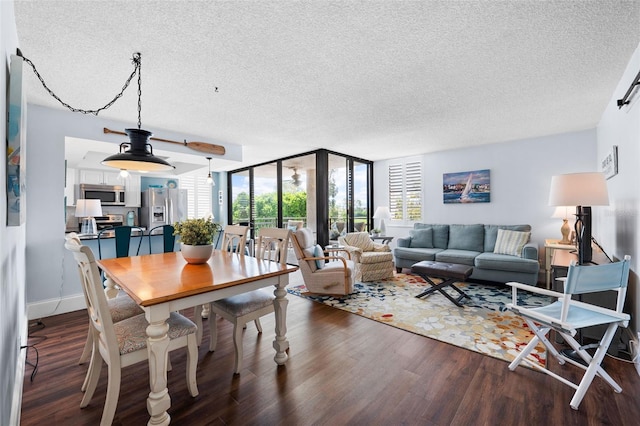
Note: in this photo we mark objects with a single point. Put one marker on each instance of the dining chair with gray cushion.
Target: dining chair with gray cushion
(242, 308)
(124, 343)
(234, 239)
(120, 307)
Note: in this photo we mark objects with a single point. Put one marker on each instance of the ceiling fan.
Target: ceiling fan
(295, 177)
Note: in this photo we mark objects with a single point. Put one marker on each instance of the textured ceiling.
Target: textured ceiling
(374, 79)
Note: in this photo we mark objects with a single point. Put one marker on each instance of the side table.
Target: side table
(334, 249)
(549, 247)
(383, 239)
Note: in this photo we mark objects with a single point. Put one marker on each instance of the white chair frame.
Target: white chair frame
(243, 308)
(566, 316)
(234, 239)
(105, 341)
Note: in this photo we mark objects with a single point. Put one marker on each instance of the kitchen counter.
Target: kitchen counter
(107, 234)
(106, 246)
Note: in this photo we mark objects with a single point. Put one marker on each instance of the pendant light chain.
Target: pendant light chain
(137, 65)
(137, 58)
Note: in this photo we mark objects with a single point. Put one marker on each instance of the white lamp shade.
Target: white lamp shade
(563, 212)
(88, 208)
(579, 189)
(382, 212)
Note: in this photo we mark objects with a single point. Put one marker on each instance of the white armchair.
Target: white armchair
(322, 273)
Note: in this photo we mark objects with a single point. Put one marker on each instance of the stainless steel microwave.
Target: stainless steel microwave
(109, 195)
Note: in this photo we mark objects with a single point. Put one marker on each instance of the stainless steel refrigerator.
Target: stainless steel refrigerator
(163, 206)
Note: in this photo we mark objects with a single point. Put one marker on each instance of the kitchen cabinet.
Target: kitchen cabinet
(70, 186)
(132, 191)
(98, 177)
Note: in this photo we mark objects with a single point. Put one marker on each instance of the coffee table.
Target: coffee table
(448, 273)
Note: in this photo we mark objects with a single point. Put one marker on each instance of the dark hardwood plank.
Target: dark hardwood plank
(343, 369)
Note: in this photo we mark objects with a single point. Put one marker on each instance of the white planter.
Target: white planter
(196, 254)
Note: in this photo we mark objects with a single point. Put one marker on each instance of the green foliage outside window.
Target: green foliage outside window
(294, 205)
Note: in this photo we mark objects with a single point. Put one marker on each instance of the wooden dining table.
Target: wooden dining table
(164, 283)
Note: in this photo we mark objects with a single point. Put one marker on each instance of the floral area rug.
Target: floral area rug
(483, 325)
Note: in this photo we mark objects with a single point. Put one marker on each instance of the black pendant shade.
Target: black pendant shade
(139, 155)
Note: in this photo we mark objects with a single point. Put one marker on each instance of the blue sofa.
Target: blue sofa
(471, 245)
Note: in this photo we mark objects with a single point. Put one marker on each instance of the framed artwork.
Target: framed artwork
(466, 187)
(609, 163)
(16, 145)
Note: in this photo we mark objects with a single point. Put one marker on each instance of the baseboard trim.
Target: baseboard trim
(16, 398)
(47, 308)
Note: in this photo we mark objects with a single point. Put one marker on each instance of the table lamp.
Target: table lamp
(382, 213)
(582, 190)
(88, 209)
(562, 212)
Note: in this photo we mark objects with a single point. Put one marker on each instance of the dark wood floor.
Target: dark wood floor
(343, 369)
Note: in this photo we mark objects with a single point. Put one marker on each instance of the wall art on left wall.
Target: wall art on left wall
(16, 145)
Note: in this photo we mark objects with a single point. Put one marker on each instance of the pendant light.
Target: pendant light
(209, 178)
(137, 154)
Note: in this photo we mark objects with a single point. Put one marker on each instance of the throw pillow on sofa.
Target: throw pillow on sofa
(466, 237)
(422, 238)
(511, 242)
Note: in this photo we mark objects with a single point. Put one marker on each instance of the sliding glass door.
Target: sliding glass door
(329, 193)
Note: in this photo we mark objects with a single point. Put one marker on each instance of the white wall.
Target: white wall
(618, 224)
(13, 322)
(520, 171)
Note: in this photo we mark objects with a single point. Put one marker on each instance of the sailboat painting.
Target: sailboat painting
(466, 187)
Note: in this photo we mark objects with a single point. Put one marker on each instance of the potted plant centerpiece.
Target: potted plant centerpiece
(196, 236)
(375, 232)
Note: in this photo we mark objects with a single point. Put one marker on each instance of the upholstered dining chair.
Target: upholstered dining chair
(243, 308)
(566, 316)
(373, 261)
(120, 307)
(323, 273)
(123, 343)
(234, 239)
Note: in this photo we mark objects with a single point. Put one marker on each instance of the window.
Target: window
(199, 195)
(405, 191)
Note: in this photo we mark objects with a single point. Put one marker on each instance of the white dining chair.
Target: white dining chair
(123, 343)
(234, 240)
(243, 308)
(120, 307)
